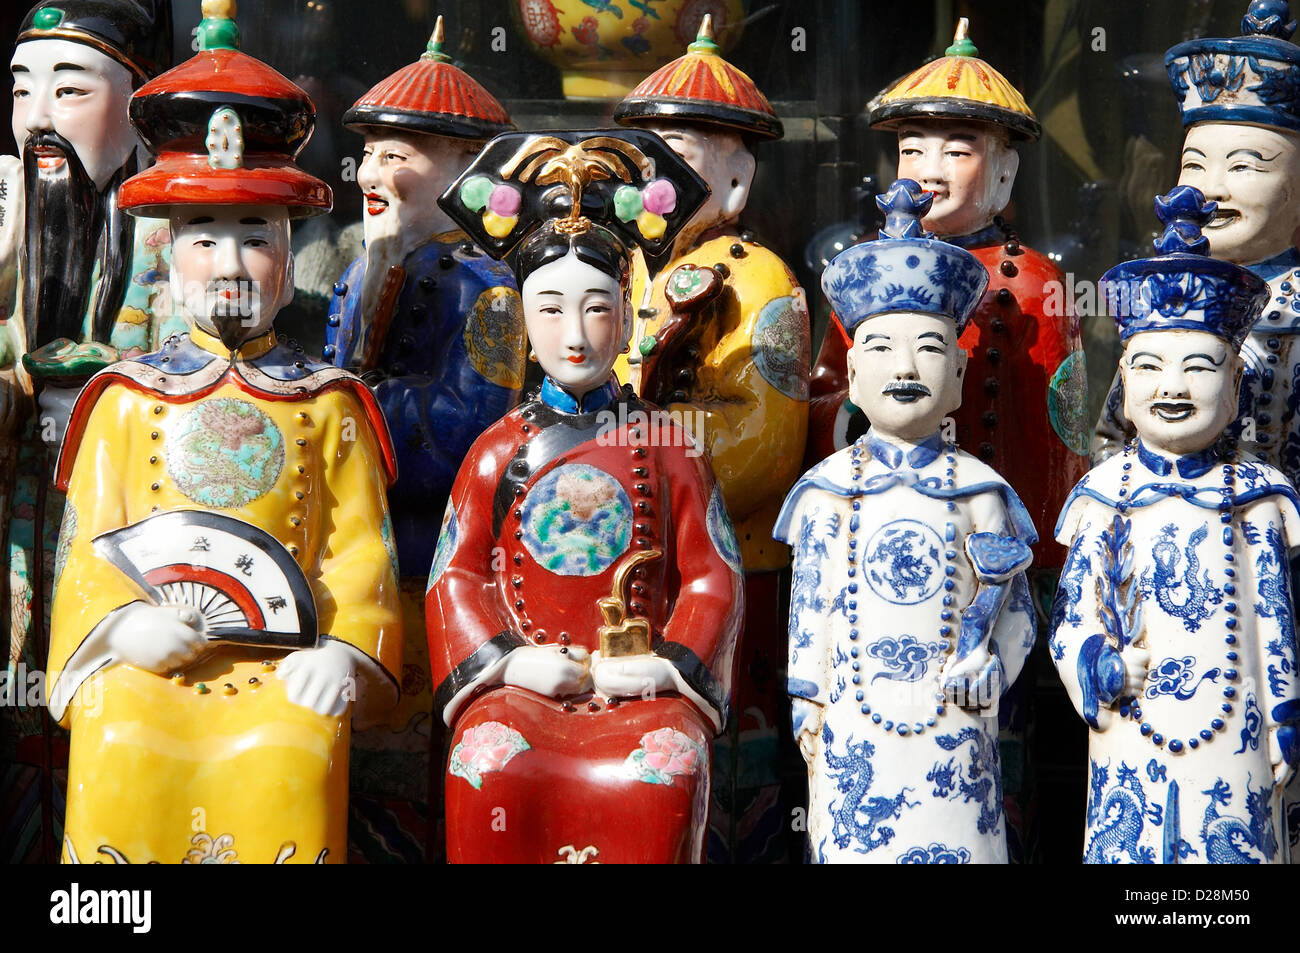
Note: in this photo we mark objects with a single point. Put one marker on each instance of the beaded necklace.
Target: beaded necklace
(903, 728)
(1134, 709)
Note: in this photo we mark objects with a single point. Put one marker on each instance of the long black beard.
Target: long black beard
(70, 226)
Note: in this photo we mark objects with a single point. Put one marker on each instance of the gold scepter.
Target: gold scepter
(620, 635)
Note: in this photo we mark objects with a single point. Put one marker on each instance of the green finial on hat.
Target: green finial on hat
(47, 18)
(961, 43)
(218, 30)
(704, 42)
(434, 51)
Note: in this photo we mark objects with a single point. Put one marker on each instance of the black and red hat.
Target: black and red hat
(431, 96)
(225, 129)
(136, 33)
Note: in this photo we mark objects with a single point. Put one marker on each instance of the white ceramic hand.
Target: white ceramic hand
(321, 678)
(630, 676)
(156, 638)
(546, 670)
(1136, 661)
(807, 719)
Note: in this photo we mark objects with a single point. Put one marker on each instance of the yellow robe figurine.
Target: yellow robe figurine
(190, 743)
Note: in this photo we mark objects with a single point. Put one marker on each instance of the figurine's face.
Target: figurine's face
(232, 268)
(1180, 388)
(905, 372)
(721, 159)
(1253, 173)
(969, 166)
(577, 322)
(401, 176)
(78, 92)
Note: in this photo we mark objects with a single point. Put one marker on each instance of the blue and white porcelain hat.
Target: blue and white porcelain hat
(906, 269)
(1253, 78)
(1183, 288)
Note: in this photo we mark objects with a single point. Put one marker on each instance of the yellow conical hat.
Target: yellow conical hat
(959, 85)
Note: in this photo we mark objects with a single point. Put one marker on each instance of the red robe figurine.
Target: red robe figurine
(585, 596)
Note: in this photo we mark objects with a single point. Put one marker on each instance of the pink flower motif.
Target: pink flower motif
(483, 749)
(660, 197)
(664, 754)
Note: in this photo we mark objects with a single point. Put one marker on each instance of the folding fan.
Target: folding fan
(242, 579)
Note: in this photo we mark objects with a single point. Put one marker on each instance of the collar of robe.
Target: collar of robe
(558, 397)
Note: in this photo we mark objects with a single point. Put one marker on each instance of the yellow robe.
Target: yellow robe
(749, 380)
(215, 764)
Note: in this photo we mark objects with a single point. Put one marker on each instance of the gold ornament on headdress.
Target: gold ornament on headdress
(547, 160)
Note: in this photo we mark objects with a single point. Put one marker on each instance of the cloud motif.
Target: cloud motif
(906, 657)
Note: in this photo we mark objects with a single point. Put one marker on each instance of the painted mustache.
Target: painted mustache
(906, 389)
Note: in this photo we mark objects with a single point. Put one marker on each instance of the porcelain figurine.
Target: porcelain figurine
(1240, 106)
(721, 334)
(436, 327)
(226, 596)
(72, 267)
(1174, 628)
(585, 596)
(910, 611)
(958, 121)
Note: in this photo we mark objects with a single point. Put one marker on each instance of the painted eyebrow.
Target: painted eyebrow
(252, 221)
(932, 334)
(597, 291)
(201, 220)
(961, 136)
(559, 293)
(1255, 153)
(1193, 149)
(60, 67)
(883, 337)
(1134, 357)
(1207, 358)
(18, 68)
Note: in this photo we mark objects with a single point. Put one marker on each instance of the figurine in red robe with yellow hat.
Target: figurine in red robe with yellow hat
(225, 594)
(1024, 409)
(722, 332)
(585, 595)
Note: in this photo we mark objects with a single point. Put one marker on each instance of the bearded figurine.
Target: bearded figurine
(435, 327)
(80, 283)
(225, 595)
(722, 338)
(1174, 626)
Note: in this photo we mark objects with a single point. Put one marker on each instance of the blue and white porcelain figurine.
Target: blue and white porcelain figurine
(1239, 98)
(909, 612)
(1173, 627)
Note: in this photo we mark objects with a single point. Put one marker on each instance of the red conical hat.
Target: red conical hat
(701, 87)
(433, 97)
(225, 128)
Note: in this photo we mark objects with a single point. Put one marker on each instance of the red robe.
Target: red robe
(546, 506)
(1023, 406)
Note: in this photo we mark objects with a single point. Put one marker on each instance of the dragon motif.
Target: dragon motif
(903, 559)
(981, 781)
(852, 774)
(1201, 593)
(1116, 818)
(1229, 839)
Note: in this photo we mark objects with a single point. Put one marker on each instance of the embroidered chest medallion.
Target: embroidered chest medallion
(225, 453)
(577, 520)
